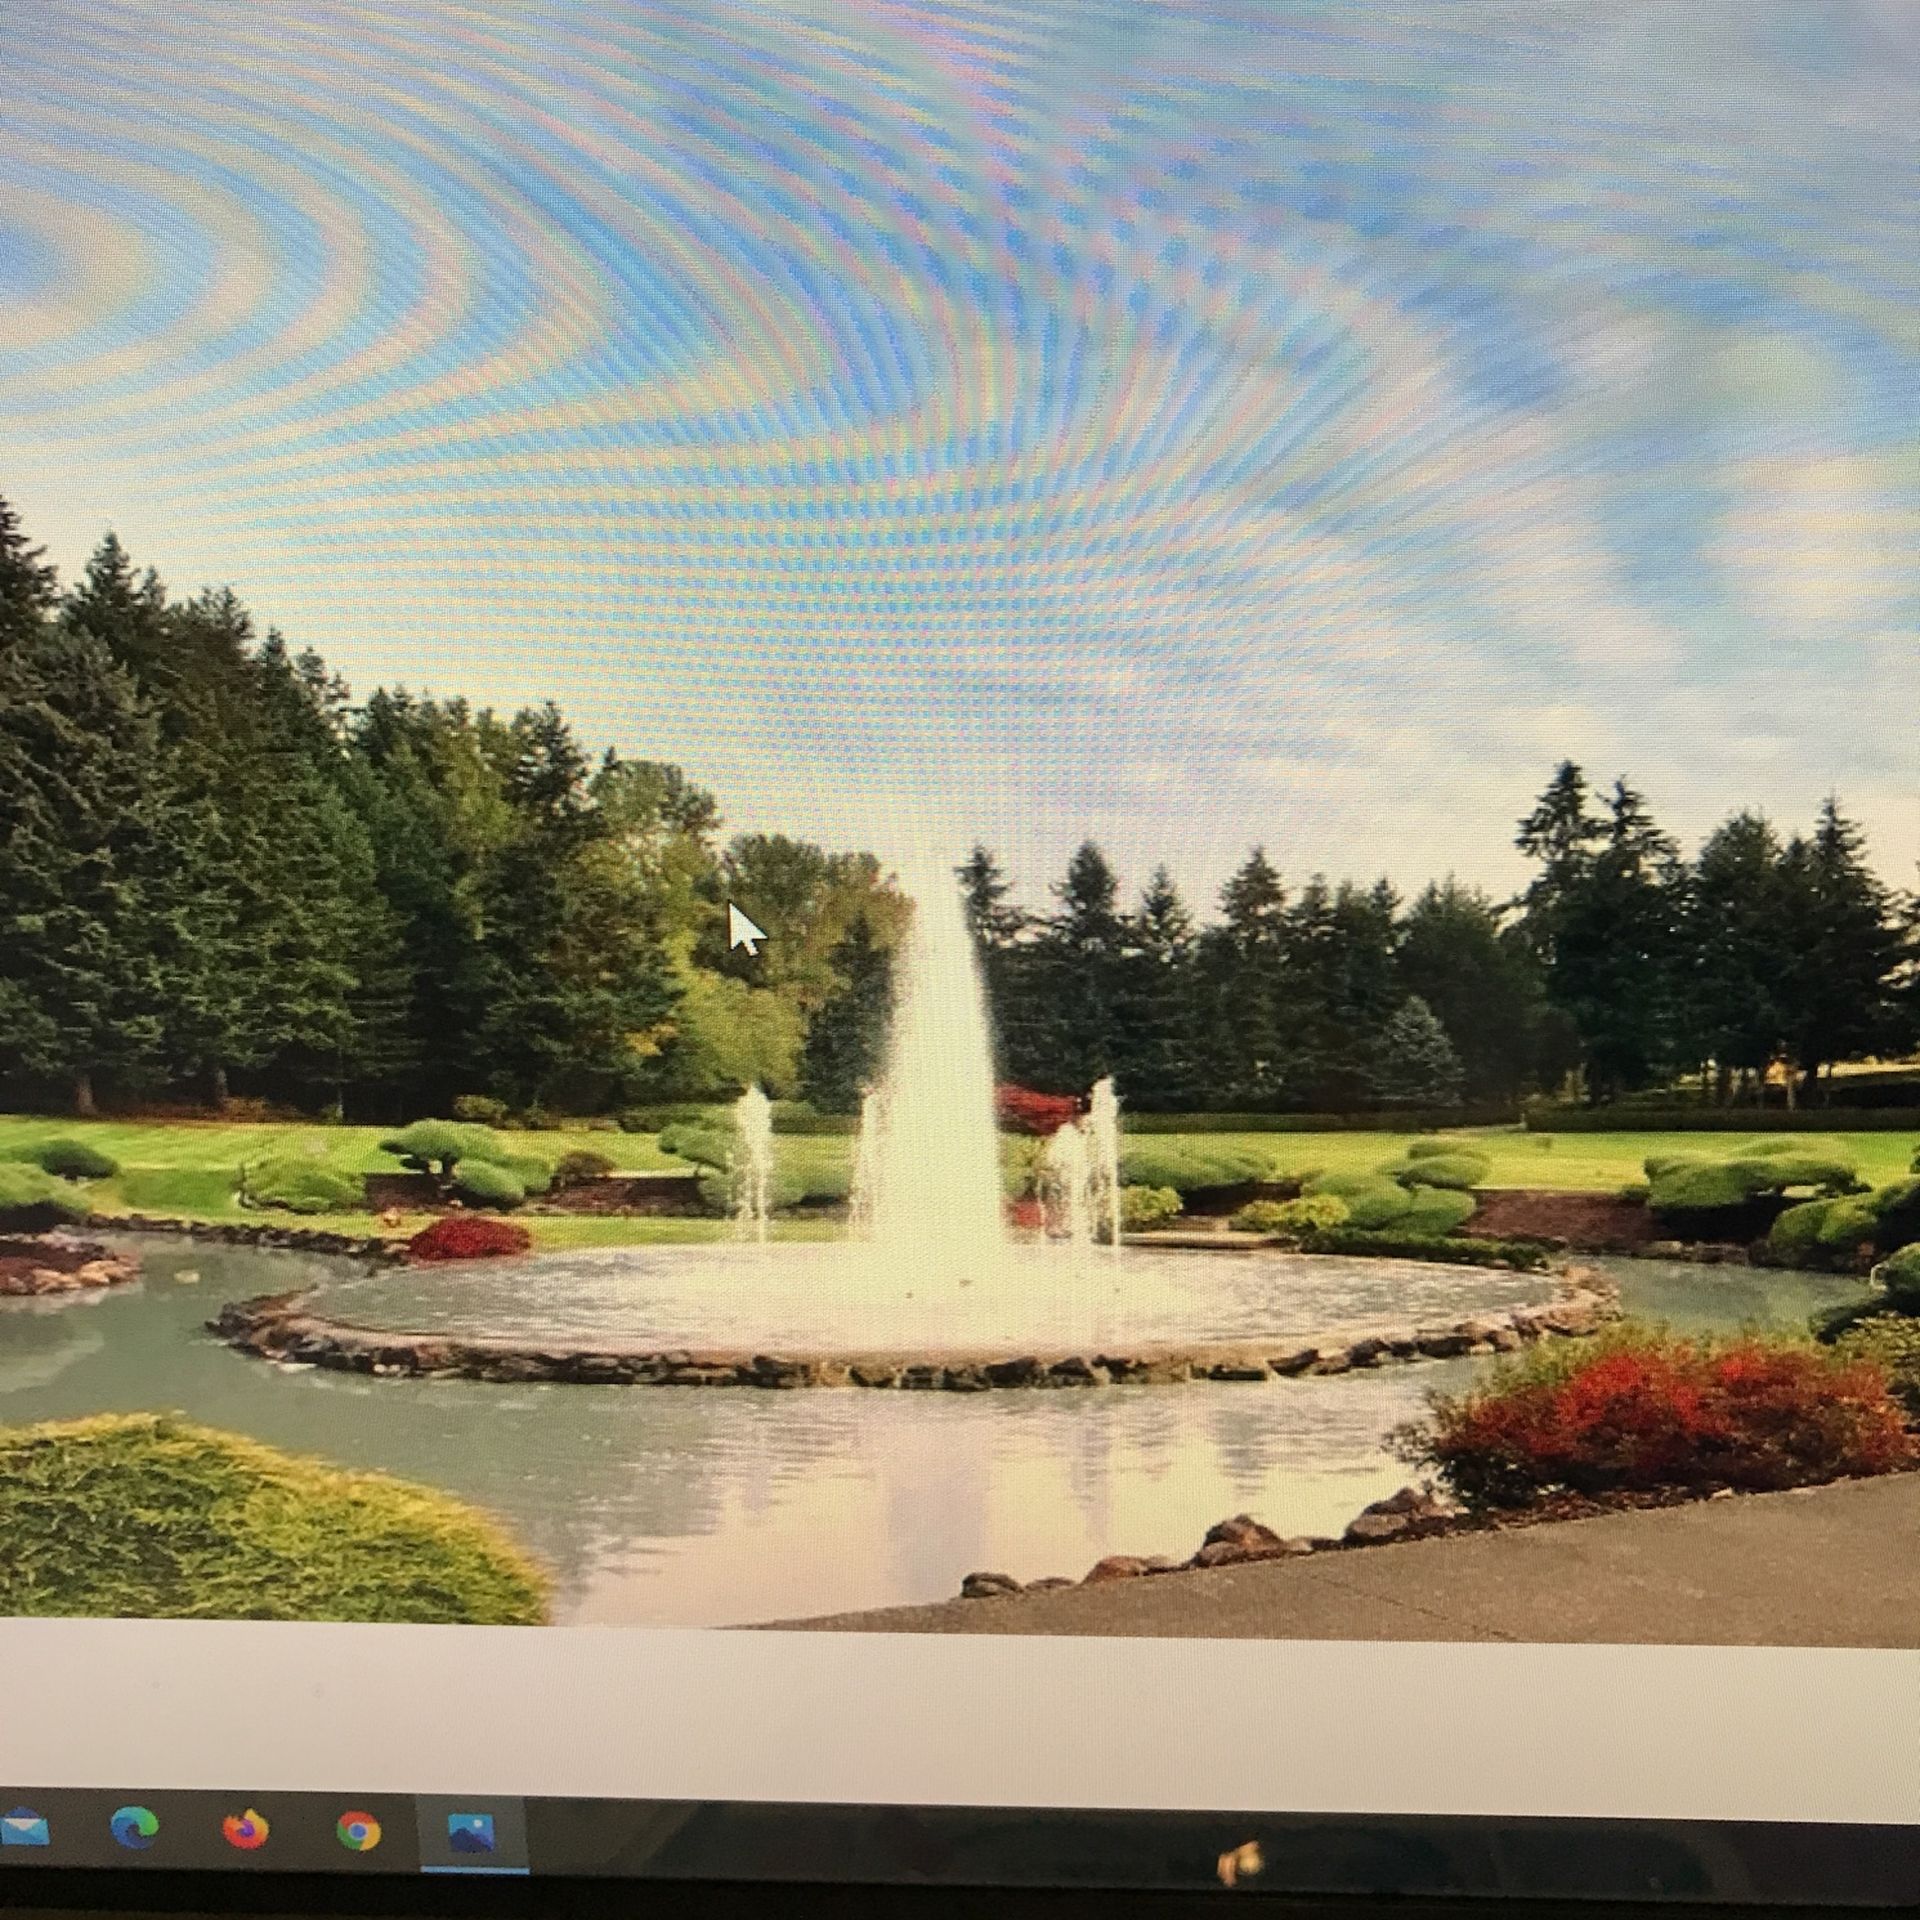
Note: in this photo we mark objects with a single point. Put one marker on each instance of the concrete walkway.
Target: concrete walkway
(1834, 1566)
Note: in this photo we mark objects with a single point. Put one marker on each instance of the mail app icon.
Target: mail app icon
(24, 1828)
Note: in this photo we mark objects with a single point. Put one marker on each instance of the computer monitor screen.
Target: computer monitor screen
(961, 939)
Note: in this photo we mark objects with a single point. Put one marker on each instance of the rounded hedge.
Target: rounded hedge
(76, 1160)
(143, 1516)
(1372, 1201)
(1144, 1208)
(704, 1144)
(534, 1174)
(32, 1201)
(299, 1183)
(1430, 1149)
(1898, 1277)
(1891, 1341)
(579, 1167)
(438, 1146)
(480, 1183)
(1436, 1211)
(1189, 1166)
(1462, 1169)
(1311, 1213)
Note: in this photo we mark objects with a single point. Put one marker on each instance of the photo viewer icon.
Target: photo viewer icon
(24, 1828)
(470, 1832)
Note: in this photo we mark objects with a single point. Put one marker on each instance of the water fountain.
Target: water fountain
(928, 1271)
(752, 1164)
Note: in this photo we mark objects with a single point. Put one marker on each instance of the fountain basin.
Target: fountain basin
(808, 1317)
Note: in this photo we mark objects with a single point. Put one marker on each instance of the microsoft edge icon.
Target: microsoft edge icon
(135, 1827)
(24, 1828)
(470, 1832)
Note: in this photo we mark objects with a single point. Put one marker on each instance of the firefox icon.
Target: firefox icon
(245, 1830)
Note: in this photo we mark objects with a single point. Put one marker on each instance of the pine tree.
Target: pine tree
(92, 846)
(1739, 950)
(1481, 983)
(1240, 972)
(841, 1057)
(1841, 990)
(1157, 1008)
(1079, 962)
(1418, 1066)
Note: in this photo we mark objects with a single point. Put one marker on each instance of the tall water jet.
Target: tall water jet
(1065, 1185)
(930, 1145)
(1102, 1129)
(865, 1171)
(752, 1164)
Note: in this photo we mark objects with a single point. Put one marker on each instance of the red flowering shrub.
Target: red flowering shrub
(468, 1236)
(1021, 1110)
(1640, 1412)
(1029, 1215)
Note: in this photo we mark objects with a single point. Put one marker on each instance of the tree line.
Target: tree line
(1621, 967)
(220, 876)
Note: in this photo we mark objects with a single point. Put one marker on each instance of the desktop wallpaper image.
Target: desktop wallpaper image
(1381, 544)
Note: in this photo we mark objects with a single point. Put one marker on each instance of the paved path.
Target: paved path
(1825, 1566)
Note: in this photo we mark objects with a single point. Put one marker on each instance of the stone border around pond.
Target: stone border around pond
(40, 1266)
(245, 1234)
(280, 1327)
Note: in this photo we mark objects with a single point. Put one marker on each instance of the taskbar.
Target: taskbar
(497, 1837)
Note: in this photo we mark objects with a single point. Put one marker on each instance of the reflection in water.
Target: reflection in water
(701, 1506)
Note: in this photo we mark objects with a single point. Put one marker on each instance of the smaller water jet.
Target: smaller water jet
(752, 1164)
(1080, 1174)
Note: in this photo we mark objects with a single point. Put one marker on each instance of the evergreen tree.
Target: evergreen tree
(1155, 1024)
(1481, 983)
(1842, 987)
(841, 1057)
(1739, 951)
(1240, 972)
(1080, 961)
(91, 847)
(1418, 1066)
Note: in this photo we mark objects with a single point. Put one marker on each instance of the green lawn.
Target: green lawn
(186, 1168)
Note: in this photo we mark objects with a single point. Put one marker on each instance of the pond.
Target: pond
(670, 1506)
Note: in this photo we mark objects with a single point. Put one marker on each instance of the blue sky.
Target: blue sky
(1191, 424)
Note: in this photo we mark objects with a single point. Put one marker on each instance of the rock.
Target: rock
(1242, 1530)
(1051, 1583)
(1407, 1500)
(1159, 1563)
(1013, 1373)
(1116, 1566)
(1331, 1360)
(1369, 1529)
(1292, 1361)
(988, 1586)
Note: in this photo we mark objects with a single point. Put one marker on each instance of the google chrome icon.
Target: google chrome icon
(358, 1832)
(135, 1827)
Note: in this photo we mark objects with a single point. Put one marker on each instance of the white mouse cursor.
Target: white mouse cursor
(741, 932)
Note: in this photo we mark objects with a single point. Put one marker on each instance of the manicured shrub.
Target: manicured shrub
(579, 1168)
(720, 1191)
(1702, 1182)
(1436, 1211)
(1459, 1250)
(1798, 1237)
(1890, 1341)
(1142, 1209)
(136, 1516)
(1638, 1411)
(438, 1146)
(298, 1183)
(1372, 1201)
(1461, 1170)
(467, 1236)
(534, 1174)
(32, 1201)
(76, 1160)
(657, 1119)
(1898, 1277)
(1188, 1167)
(480, 1108)
(704, 1145)
(1310, 1213)
(1430, 1149)
(480, 1183)
(1039, 1115)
